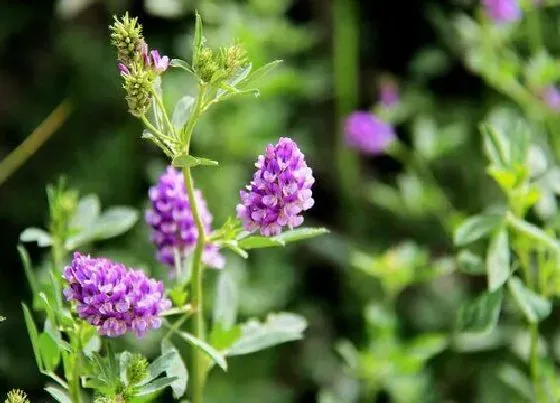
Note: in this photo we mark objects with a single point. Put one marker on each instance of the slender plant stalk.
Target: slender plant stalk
(35, 140)
(74, 381)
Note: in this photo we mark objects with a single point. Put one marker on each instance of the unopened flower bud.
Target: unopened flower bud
(16, 396)
(139, 87)
(206, 66)
(126, 35)
(232, 58)
(137, 369)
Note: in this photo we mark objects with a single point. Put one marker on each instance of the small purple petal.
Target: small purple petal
(502, 11)
(123, 69)
(367, 133)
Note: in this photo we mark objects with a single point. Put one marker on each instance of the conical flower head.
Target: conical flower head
(280, 190)
(114, 298)
(126, 35)
(138, 85)
(172, 221)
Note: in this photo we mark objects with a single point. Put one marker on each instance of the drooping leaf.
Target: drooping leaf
(42, 237)
(182, 111)
(58, 394)
(257, 242)
(33, 335)
(178, 63)
(476, 227)
(534, 307)
(498, 260)
(50, 354)
(299, 234)
(240, 75)
(176, 369)
(481, 314)
(86, 213)
(226, 301)
(158, 366)
(259, 73)
(158, 384)
(215, 355)
(278, 328)
(187, 161)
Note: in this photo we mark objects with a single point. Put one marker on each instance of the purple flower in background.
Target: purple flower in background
(114, 298)
(388, 93)
(368, 133)
(551, 96)
(172, 222)
(502, 11)
(160, 63)
(279, 192)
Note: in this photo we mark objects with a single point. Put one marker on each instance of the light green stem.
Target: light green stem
(534, 29)
(74, 381)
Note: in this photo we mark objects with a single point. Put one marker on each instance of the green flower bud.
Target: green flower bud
(126, 35)
(232, 59)
(138, 85)
(16, 396)
(206, 66)
(137, 369)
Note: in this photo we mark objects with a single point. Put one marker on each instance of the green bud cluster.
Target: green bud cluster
(232, 59)
(137, 369)
(222, 65)
(139, 86)
(16, 396)
(126, 35)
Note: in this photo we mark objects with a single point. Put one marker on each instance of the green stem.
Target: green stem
(534, 30)
(74, 381)
(534, 362)
(532, 232)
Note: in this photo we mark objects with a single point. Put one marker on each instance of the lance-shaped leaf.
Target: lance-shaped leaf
(33, 335)
(215, 355)
(300, 234)
(42, 237)
(481, 314)
(534, 307)
(498, 260)
(175, 369)
(476, 227)
(189, 161)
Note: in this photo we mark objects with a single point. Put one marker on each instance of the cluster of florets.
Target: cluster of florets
(368, 133)
(279, 192)
(16, 396)
(114, 298)
(138, 66)
(221, 65)
(172, 221)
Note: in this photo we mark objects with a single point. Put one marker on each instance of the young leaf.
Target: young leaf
(278, 328)
(86, 213)
(185, 161)
(299, 234)
(215, 355)
(176, 369)
(50, 354)
(154, 386)
(535, 307)
(234, 247)
(178, 63)
(28, 270)
(469, 263)
(42, 237)
(33, 335)
(58, 394)
(481, 314)
(226, 301)
(182, 111)
(198, 39)
(476, 227)
(497, 261)
(259, 73)
(495, 146)
(158, 366)
(257, 242)
(222, 339)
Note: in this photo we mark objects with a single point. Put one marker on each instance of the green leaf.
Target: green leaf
(240, 75)
(154, 386)
(178, 310)
(226, 301)
(42, 237)
(257, 242)
(517, 380)
(33, 335)
(186, 161)
(469, 263)
(222, 339)
(278, 328)
(58, 394)
(215, 355)
(28, 270)
(86, 214)
(234, 247)
(181, 64)
(182, 111)
(158, 366)
(498, 260)
(476, 227)
(481, 314)
(50, 354)
(496, 146)
(424, 347)
(299, 234)
(56, 336)
(176, 369)
(535, 307)
(198, 40)
(259, 73)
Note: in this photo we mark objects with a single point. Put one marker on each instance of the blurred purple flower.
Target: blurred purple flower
(172, 222)
(160, 63)
(388, 93)
(114, 298)
(502, 11)
(368, 133)
(279, 192)
(551, 96)
(123, 69)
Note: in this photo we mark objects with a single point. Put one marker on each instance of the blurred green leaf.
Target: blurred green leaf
(50, 354)
(257, 242)
(186, 161)
(517, 380)
(86, 214)
(181, 64)
(278, 328)
(498, 260)
(175, 369)
(216, 356)
(259, 73)
(33, 335)
(300, 234)
(222, 339)
(158, 366)
(534, 307)
(42, 237)
(476, 227)
(469, 263)
(226, 301)
(480, 314)
(158, 384)
(58, 394)
(182, 111)
(28, 271)
(198, 39)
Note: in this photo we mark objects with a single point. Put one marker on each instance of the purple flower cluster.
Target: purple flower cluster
(279, 192)
(368, 133)
(502, 11)
(114, 298)
(172, 222)
(551, 96)
(151, 60)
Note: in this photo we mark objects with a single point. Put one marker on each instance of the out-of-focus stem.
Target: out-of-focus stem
(35, 140)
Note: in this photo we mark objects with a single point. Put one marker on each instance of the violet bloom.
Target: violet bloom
(551, 96)
(368, 133)
(172, 222)
(502, 11)
(160, 63)
(279, 192)
(388, 93)
(123, 69)
(114, 298)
